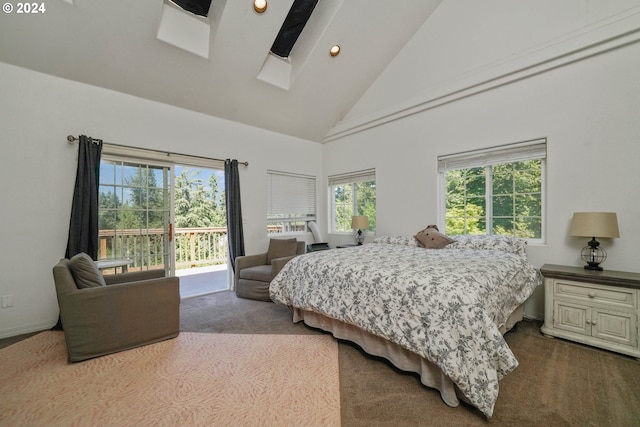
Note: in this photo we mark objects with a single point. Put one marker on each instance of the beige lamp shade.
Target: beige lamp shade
(359, 222)
(594, 224)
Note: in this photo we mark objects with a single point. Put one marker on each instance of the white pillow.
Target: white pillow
(509, 244)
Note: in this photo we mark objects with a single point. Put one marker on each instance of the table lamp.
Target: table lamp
(594, 224)
(359, 222)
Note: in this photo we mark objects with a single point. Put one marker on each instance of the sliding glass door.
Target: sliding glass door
(135, 215)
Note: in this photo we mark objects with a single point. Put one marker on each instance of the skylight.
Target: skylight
(183, 29)
(197, 7)
(292, 27)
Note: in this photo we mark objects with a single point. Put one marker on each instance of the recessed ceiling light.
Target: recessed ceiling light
(335, 50)
(260, 5)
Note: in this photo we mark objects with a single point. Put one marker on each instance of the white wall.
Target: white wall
(588, 111)
(464, 39)
(38, 111)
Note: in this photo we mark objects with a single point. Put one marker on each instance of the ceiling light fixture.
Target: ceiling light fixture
(335, 50)
(260, 5)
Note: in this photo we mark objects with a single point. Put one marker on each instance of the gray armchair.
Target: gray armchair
(253, 273)
(103, 315)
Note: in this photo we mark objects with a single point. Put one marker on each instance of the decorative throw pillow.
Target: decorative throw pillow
(85, 271)
(431, 238)
(279, 248)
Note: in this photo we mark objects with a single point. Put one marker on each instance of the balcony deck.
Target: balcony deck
(202, 280)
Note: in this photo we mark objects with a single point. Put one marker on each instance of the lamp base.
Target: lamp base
(593, 267)
(593, 255)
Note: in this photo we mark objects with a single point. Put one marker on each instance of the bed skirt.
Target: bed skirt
(430, 375)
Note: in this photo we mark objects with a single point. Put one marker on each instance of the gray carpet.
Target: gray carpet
(558, 383)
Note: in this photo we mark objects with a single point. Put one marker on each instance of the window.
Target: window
(292, 26)
(352, 194)
(291, 202)
(499, 190)
(134, 213)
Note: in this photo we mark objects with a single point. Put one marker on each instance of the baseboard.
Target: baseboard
(26, 329)
(539, 317)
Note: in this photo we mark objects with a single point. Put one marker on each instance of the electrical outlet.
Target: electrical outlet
(7, 301)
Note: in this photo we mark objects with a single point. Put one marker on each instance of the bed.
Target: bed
(440, 313)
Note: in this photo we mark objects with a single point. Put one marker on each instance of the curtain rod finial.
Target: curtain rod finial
(71, 139)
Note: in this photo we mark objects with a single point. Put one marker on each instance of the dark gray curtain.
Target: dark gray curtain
(235, 235)
(83, 226)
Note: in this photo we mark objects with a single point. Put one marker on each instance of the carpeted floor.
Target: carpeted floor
(558, 383)
(196, 379)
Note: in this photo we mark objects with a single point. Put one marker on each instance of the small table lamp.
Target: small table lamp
(594, 224)
(359, 222)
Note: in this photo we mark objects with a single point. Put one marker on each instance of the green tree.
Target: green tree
(362, 195)
(108, 202)
(516, 199)
(217, 203)
(146, 205)
(466, 201)
(196, 205)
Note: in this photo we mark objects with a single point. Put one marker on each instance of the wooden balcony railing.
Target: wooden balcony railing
(195, 247)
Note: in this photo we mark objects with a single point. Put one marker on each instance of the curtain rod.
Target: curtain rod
(72, 139)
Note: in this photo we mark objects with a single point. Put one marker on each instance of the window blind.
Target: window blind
(291, 196)
(353, 177)
(516, 152)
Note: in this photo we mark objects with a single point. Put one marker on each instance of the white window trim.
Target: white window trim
(346, 178)
(535, 149)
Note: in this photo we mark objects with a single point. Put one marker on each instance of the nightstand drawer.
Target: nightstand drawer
(614, 297)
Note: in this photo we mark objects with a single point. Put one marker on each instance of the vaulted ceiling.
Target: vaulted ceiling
(223, 67)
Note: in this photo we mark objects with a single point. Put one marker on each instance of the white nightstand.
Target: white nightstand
(598, 308)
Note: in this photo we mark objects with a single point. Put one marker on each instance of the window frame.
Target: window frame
(119, 162)
(488, 157)
(350, 178)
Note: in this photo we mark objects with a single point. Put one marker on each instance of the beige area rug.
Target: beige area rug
(195, 379)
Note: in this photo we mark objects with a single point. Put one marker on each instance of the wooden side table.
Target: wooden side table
(598, 308)
(114, 263)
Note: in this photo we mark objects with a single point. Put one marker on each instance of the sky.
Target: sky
(115, 173)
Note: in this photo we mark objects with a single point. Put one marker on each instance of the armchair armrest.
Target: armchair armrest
(135, 276)
(278, 263)
(247, 261)
(107, 319)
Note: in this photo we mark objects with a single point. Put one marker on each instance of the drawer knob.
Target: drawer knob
(591, 294)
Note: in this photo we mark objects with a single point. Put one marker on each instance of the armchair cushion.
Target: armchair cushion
(134, 276)
(279, 248)
(85, 272)
(261, 273)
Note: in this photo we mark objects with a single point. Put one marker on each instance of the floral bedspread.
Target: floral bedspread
(444, 304)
